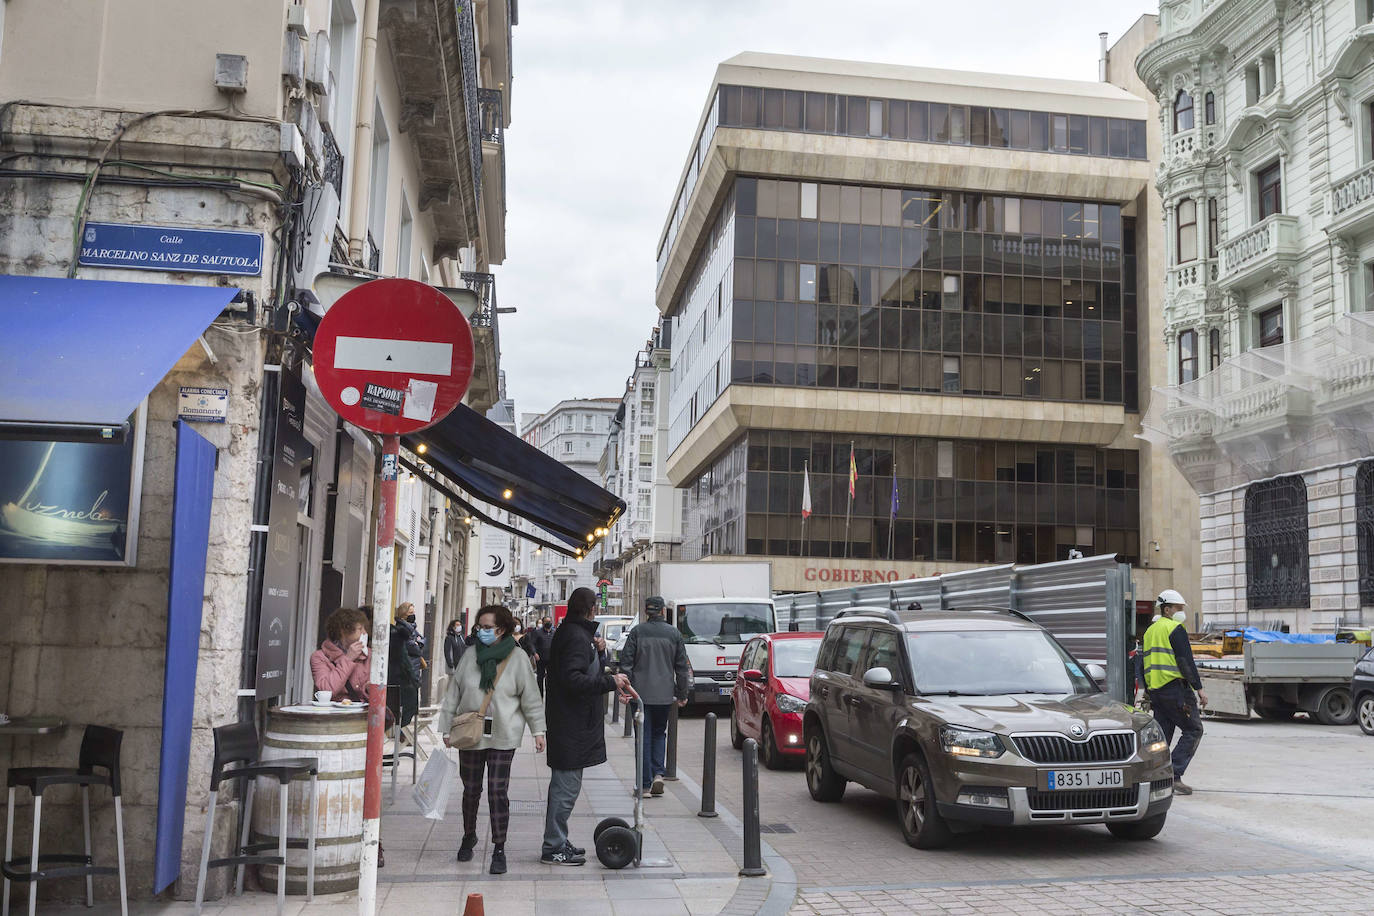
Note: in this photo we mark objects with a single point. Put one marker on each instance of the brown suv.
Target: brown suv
(977, 717)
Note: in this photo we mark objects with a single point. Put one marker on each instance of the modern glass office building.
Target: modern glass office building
(935, 272)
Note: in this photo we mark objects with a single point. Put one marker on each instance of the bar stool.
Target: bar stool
(99, 748)
(392, 759)
(238, 744)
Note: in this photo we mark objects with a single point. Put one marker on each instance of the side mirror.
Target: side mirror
(1097, 673)
(879, 677)
(752, 674)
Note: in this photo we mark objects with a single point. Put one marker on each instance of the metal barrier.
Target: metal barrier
(753, 843)
(708, 769)
(1088, 604)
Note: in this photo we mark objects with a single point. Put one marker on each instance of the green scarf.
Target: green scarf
(488, 657)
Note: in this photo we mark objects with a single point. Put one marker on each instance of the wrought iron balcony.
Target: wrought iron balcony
(333, 167)
(372, 254)
(484, 285)
(1271, 243)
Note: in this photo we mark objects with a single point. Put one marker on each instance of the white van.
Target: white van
(715, 630)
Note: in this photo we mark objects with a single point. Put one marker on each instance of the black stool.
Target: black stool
(99, 748)
(238, 744)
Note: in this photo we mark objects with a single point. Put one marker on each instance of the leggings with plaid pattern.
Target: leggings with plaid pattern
(497, 764)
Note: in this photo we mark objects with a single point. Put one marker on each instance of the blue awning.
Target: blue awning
(488, 462)
(89, 351)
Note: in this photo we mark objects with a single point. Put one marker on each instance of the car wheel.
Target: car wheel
(1364, 713)
(824, 784)
(922, 825)
(736, 736)
(768, 747)
(1335, 708)
(1147, 829)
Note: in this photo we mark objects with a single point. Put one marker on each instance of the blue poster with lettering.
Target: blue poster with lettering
(173, 249)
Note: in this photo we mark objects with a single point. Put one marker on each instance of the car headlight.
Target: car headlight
(1152, 738)
(970, 742)
(788, 703)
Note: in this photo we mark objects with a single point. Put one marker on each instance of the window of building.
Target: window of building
(1187, 356)
(568, 447)
(403, 245)
(1185, 215)
(1276, 573)
(808, 200)
(1214, 348)
(1183, 111)
(1212, 227)
(1366, 8)
(951, 299)
(568, 422)
(1209, 108)
(1270, 326)
(646, 449)
(1252, 84)
(1364, 529)
(377, 188)
(1268, 73)
(1269, 187)
(944, 458)
(588, 423)
(950, 378)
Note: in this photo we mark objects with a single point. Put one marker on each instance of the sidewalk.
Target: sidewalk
(695, 860)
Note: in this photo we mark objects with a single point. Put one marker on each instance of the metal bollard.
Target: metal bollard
(708, 769)
(753, 848)
(615, 707)
(670, 759)
(629, 719)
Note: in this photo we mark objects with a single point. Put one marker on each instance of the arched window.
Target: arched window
(1186, 214)
(1364, 529)
(1209, 108)
(1276, 574)
(1183, 111)
(1187, 356)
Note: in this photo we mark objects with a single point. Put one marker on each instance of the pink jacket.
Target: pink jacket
(332, 671)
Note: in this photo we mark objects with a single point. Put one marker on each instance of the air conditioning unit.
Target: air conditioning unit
(317, 65)
(321, 212)
(292, 60)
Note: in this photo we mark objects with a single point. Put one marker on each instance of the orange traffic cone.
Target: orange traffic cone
(474, 906)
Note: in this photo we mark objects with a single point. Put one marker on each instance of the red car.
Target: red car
(771, 690)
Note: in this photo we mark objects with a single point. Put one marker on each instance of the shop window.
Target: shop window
(1186, 231)
(1276, 573)
(1270, 326)
(1187, 356)
(1183, 111)
(1364, 529)
(1269, 190)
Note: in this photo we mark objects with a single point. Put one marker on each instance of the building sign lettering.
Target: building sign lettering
(207, 251)
(849, 575)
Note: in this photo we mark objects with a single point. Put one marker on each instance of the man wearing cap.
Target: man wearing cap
(1170, 678)
(655, 658)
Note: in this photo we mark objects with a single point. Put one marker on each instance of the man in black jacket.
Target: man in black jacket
(576, 732)
(541, 640)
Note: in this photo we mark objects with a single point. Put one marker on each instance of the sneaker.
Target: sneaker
(1181, 787)
(657, 788)
(465, 850)
(564, 856)
(641, 793)
(498, 861)
(575, 850)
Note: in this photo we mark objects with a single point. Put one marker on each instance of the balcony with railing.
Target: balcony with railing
(1269, 244)
(491, 127)
(483, 391)
(1193, 276)
(1352, 201)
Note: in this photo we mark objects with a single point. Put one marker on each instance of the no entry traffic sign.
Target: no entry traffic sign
(393, 356)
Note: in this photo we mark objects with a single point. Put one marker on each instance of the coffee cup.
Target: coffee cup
(323, 696)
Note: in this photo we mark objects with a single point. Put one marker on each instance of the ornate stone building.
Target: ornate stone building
(1266, 176)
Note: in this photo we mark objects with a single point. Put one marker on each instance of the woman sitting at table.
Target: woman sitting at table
(341, 663)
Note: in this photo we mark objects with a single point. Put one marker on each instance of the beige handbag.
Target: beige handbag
(466, 730)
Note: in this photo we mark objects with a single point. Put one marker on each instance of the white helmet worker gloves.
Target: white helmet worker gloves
(1172, 597)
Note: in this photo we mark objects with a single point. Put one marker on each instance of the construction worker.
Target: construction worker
(1170, 679)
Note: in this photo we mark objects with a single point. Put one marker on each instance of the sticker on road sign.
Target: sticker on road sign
(419, 403)
(388, 466)
(383, 399)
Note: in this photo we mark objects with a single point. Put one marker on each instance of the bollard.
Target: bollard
(753, 849)
(708, 769)
(615, 707)
(629, 719)
(670, 759)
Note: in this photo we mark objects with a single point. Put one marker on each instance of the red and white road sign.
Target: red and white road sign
(393, 356)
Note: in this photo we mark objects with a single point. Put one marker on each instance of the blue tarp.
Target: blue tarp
(1252, 634)
(191, 499)
(88, 351)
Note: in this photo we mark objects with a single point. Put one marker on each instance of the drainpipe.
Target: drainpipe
(362, 134)
(1102, 57)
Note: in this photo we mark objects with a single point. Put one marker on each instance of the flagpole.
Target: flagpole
(892, 510)
(849, 506)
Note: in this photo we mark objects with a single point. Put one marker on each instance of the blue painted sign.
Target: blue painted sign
(203, 251)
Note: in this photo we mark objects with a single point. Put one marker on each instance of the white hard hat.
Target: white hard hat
(1170, 596)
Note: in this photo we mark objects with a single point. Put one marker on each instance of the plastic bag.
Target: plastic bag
(436, 782)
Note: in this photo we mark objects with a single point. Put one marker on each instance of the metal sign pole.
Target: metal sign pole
(376, 687)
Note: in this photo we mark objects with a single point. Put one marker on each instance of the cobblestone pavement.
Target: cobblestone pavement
(1282, 822)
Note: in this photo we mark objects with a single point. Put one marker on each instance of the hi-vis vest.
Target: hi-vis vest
(1160, 665)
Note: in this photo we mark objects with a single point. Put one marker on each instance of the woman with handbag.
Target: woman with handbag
(487, 706)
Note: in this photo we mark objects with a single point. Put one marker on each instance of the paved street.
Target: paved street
(1281, 823)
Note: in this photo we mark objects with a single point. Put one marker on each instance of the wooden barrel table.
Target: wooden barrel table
(337, 738)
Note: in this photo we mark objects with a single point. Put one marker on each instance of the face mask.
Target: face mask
(1181, 616)
(487, 635)
(410, 619)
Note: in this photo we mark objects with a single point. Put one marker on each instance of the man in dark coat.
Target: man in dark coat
(576, 731)
(541, 640)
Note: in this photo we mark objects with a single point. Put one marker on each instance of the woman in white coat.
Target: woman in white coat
(515, 705)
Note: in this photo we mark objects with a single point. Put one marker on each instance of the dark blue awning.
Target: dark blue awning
(488, 462)
(89, 351)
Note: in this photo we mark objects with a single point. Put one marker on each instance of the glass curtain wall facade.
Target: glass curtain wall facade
(957, 500)
(911, 289)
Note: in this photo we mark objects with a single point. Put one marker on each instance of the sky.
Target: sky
(605, 100)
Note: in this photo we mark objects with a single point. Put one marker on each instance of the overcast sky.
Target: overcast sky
(605, 99)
